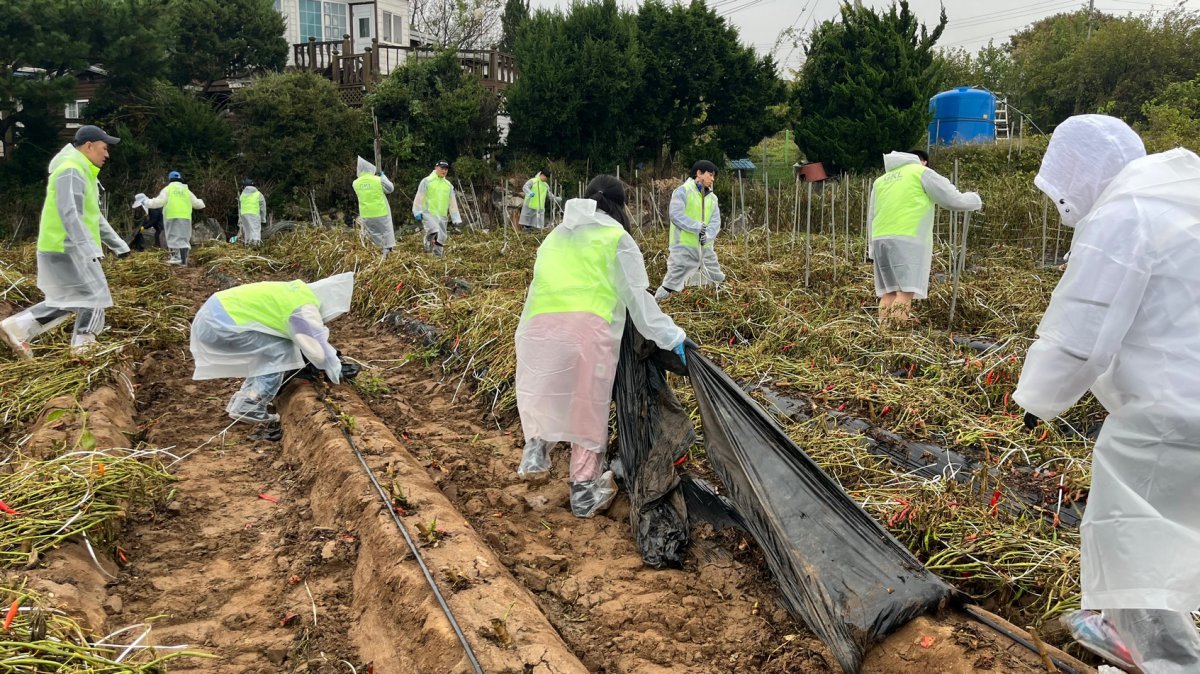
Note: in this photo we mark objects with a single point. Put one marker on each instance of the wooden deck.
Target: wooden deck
(357, 74)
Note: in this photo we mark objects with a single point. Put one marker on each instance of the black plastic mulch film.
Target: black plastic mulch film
(838, 570)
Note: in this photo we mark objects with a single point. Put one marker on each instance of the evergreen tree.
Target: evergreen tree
(292, 128)
(864, 89)
(700, 81)
(580, 75)
(432, 110)
(215, 39)
(516, 13)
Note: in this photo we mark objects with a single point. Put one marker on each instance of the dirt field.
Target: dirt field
(277, 556)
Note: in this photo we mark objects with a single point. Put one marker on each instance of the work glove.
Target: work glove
(417, 217)
(703, 237)
(1031, 421)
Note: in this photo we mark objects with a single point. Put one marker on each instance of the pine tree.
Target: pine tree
(516, 13)
(864, 89)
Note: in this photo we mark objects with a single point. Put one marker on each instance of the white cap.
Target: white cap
(334, 293)
(365, 168)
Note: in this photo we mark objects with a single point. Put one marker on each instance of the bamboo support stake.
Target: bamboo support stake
(959, 267)
(808, 236)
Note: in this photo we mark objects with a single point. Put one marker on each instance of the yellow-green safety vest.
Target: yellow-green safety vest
(372, 202)
(248, 204)
(697, 208)
(437, 195)
(268, 303)
(573, 272)
(179, 202)
(537, 196)
(901, 204)
(52, 234)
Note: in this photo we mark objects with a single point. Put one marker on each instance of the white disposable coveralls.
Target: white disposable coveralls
(178, 230)
(435, 225)
(1124, 322)
(567, 362)
(691, 265)
(902, 262)
(250, 224)
(531, 217)
(380, 228)
(73, 279)
(222, 348)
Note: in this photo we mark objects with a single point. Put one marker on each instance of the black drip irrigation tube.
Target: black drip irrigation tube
(462, 638)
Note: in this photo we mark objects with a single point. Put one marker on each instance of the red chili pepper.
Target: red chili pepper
(121, 555)
(268, 497)
(7, 510)
(457, 338)
(995, 504)
(812, 364)
(886, 409)
(680, 460)
(788, 346)
(829, 388)
(1045, 433)
(841, 407)
(12, 613)
(399, 286)
(731, 341)
(1004, 403)
(991, 377)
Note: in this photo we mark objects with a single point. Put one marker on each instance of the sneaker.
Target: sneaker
(15, 337)
(82, 344)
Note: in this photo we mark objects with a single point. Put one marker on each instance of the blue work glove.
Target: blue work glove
(703, 237)
(417, 217)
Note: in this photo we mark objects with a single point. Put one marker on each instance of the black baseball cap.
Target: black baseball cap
(89, 133)
(443, 163)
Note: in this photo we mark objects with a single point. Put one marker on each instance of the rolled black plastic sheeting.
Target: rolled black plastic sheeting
(838, 570)
(653, 434)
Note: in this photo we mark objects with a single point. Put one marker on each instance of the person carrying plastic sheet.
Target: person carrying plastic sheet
(262, 330)
(373, 206)
(1124, 323)
(70, 233)
(148, 232)
(252, 212)
(588, 272)
(695, 223)
(533, 210)
(900, 221)
(177, 202)
(434, 204)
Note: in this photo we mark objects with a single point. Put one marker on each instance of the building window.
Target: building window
(335, 20)
(364, 27)
(310, 20)
(278, 5)
(75, 109)
(387, 26)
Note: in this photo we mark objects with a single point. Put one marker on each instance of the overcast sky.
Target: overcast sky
(970, 23)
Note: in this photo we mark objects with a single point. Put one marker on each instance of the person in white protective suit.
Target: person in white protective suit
(70, 233)
(261, 330)
(177, 202)
(252, 212)
(695, 223)
(1124, 321)
(900, 219)
(434, 204)
(373, 206)
(588, 273)
(533, 209)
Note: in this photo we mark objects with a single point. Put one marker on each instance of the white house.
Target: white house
(329, 20)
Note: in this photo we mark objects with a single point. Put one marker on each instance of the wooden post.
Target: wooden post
(312, 53)
(368, 67)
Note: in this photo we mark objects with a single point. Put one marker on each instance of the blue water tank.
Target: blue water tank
(962, 115)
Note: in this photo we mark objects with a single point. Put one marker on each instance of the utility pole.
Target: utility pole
(1091, 8)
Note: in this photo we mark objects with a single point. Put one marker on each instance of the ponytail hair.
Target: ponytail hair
(609, 195)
